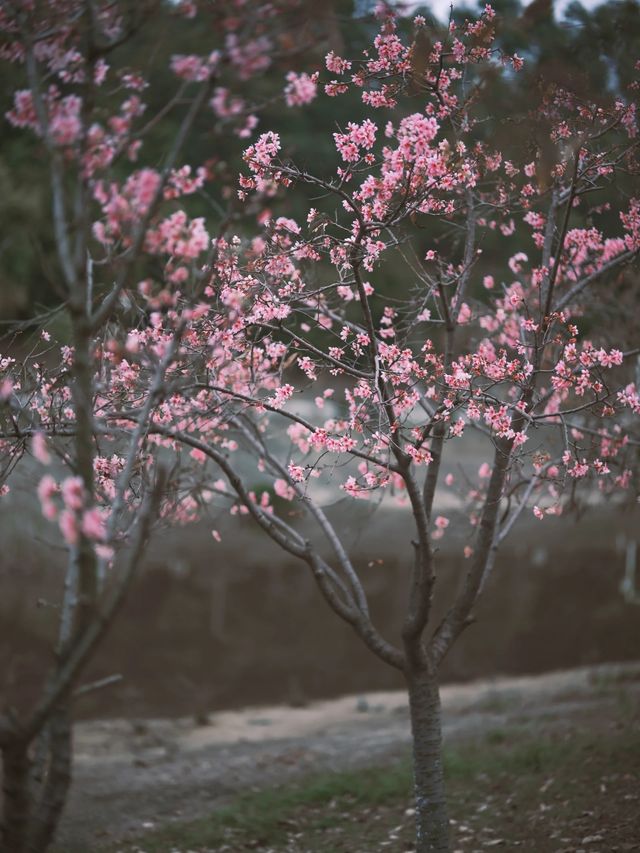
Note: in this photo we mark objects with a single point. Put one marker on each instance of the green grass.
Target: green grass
(265, 814)
(498, 702)
(512, 751)
(346, 810)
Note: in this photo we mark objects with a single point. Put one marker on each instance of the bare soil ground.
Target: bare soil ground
(134, 776)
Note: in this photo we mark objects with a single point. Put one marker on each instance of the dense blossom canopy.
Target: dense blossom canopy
(235, 329)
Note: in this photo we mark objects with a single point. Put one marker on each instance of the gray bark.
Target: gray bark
(432, 821)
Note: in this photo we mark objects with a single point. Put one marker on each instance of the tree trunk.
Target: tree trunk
(50, 795)
(35, 791)
(432, 822)
(15, 790)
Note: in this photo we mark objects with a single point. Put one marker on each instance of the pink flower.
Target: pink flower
(260, 155)
(222, 106)
(69, 526)
(441, 522)
(301, 89)
(23, 113)
(336, 64)
(189, 67)
(93, 523)
(307, 366)
(105, 552)
(47, 487)
(515, 263)
(296, 472)
(39, 448)
(216, 535)
(100, 74)
(49, 510)
(6, 389)
(73, 493)
(281, 396)
(464, 315)
(358, 136)
(64, 124)
(611, 358)
(284, 490)
(484, 470)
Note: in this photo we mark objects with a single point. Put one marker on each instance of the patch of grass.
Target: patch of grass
(506, 784)
(612, 677)
(498, 702)
(265, 814)
(512, 750)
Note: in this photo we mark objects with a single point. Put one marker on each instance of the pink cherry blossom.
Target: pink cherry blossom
(39, 448)
(73, 493)
(464, 314)
(69, 527)
(301, 89)
(94, 523)
(6, 389)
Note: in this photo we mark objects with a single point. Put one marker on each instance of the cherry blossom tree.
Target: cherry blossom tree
(399, 377)
(194, 354)
(103, 484)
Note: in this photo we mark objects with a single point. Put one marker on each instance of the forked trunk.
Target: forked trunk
(432, 822)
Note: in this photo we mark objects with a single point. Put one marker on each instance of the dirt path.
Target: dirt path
(132, 775)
